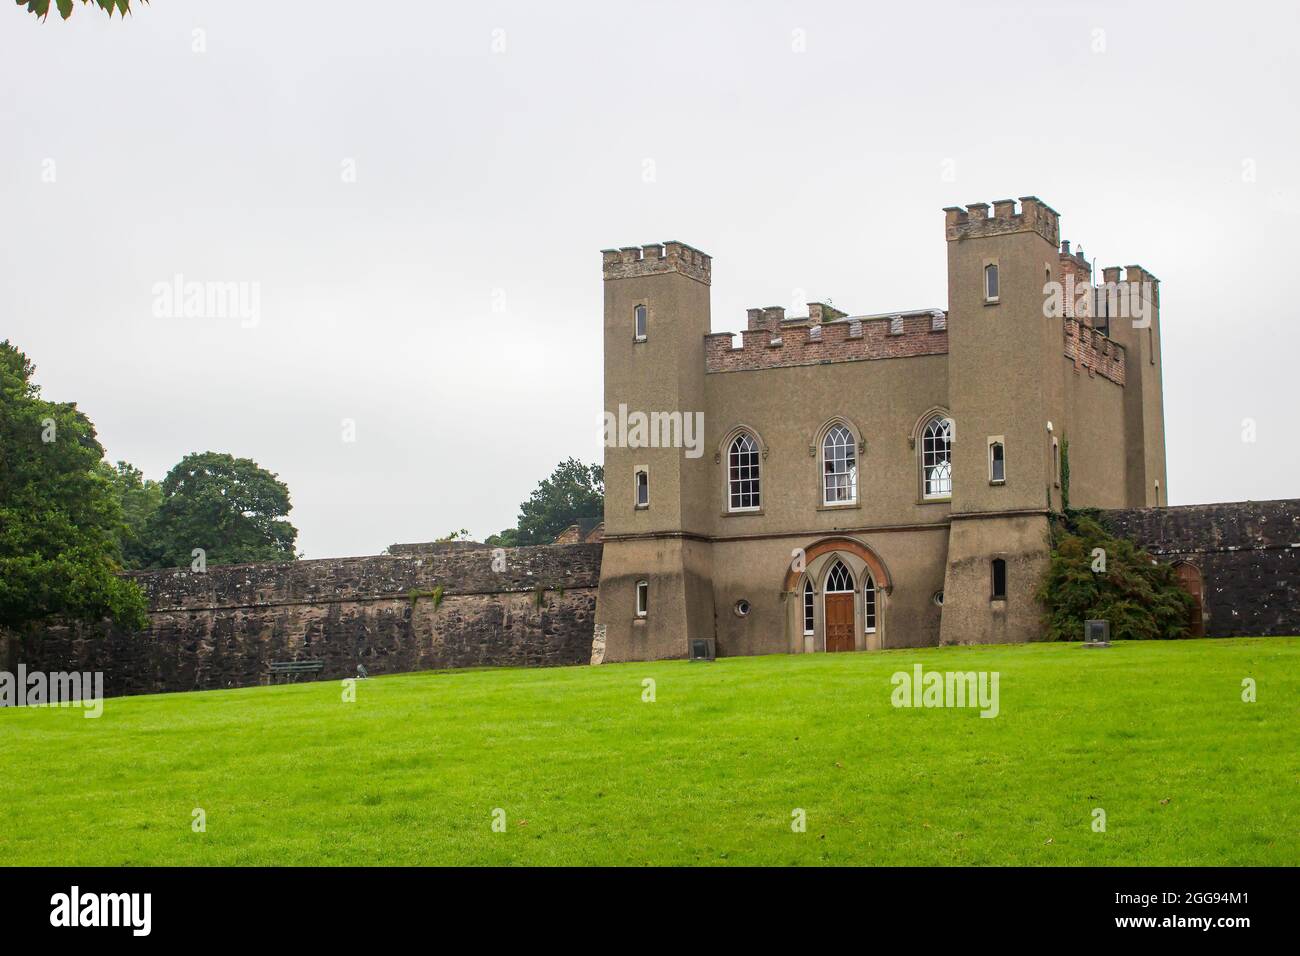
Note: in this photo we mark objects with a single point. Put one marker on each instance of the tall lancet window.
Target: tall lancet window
(936, 458)
(839, 467)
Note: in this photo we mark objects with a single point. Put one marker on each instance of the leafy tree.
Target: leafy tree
(230, 507)
(140, 499)
(1140, 597)
(509, 538)
(573, 494)
(59, 514)
(42, 7)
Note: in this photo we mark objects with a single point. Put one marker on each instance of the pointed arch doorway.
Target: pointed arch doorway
(838, 609)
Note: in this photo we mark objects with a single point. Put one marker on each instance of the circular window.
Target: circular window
(938, 598)
(742, 608)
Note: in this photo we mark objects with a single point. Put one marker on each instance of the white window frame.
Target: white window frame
(995, 296)
(849, 445)
(930, 445)
(997, 441)
(640, 472)
(640, 322)
(809, 608)
(642, 598)
(870, 608)
(739, 475)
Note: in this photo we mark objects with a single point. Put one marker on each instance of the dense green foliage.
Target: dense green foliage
(140, 498)
(573, 494)
(230, 507)
(42, 7)
(60, 517)
(1140, 597)
(588, 772)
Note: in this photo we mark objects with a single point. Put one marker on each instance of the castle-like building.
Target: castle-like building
(871, 481)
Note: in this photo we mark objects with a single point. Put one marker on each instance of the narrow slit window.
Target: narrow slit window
(997, 462)
(869, 604)
(642, 598)
(640, 322)
(642, 489)
(999, 579)
(809, 616)
(991, 282)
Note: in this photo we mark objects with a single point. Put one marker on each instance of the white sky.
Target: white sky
(479, 171)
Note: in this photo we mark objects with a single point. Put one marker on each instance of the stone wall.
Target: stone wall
(1248, 553)
(816, 344)
(1088, 348)
(390, 613)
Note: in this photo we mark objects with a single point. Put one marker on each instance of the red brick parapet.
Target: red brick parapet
(1089, 349)
(844, 340)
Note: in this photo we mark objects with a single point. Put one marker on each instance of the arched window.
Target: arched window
(936, 458)
(839, 580)
(839, 467)
(869, 603)
(991, 282)
(742, 474)
(809, 615)
(639, 321)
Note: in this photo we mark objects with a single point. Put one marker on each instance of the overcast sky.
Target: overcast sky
(420, 192)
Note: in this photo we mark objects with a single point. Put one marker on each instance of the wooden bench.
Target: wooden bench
(291, 669)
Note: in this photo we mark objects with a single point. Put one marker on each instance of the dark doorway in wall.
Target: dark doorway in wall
(1189, 576)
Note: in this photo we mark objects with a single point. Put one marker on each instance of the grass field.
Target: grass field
(1155, 734)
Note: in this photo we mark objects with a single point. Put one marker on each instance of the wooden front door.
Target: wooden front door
(839, 622)
(1189, 576)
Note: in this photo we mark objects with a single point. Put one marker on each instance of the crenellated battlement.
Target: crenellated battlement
(848, 339)
(1089, 349)
(974, 220)
(657, 258)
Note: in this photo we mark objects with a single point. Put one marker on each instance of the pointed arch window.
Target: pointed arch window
(839, 467)
(869, 603)
(743, 491)
(936, 458)
(809, 614)
(839, 580)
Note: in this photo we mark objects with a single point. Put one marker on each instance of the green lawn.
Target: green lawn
(1156, 734)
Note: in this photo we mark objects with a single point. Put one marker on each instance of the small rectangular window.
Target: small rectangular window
(991, 282)
(642, 598)
(642, 489)
(997, 463)
(640, 323)
(999, 579)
